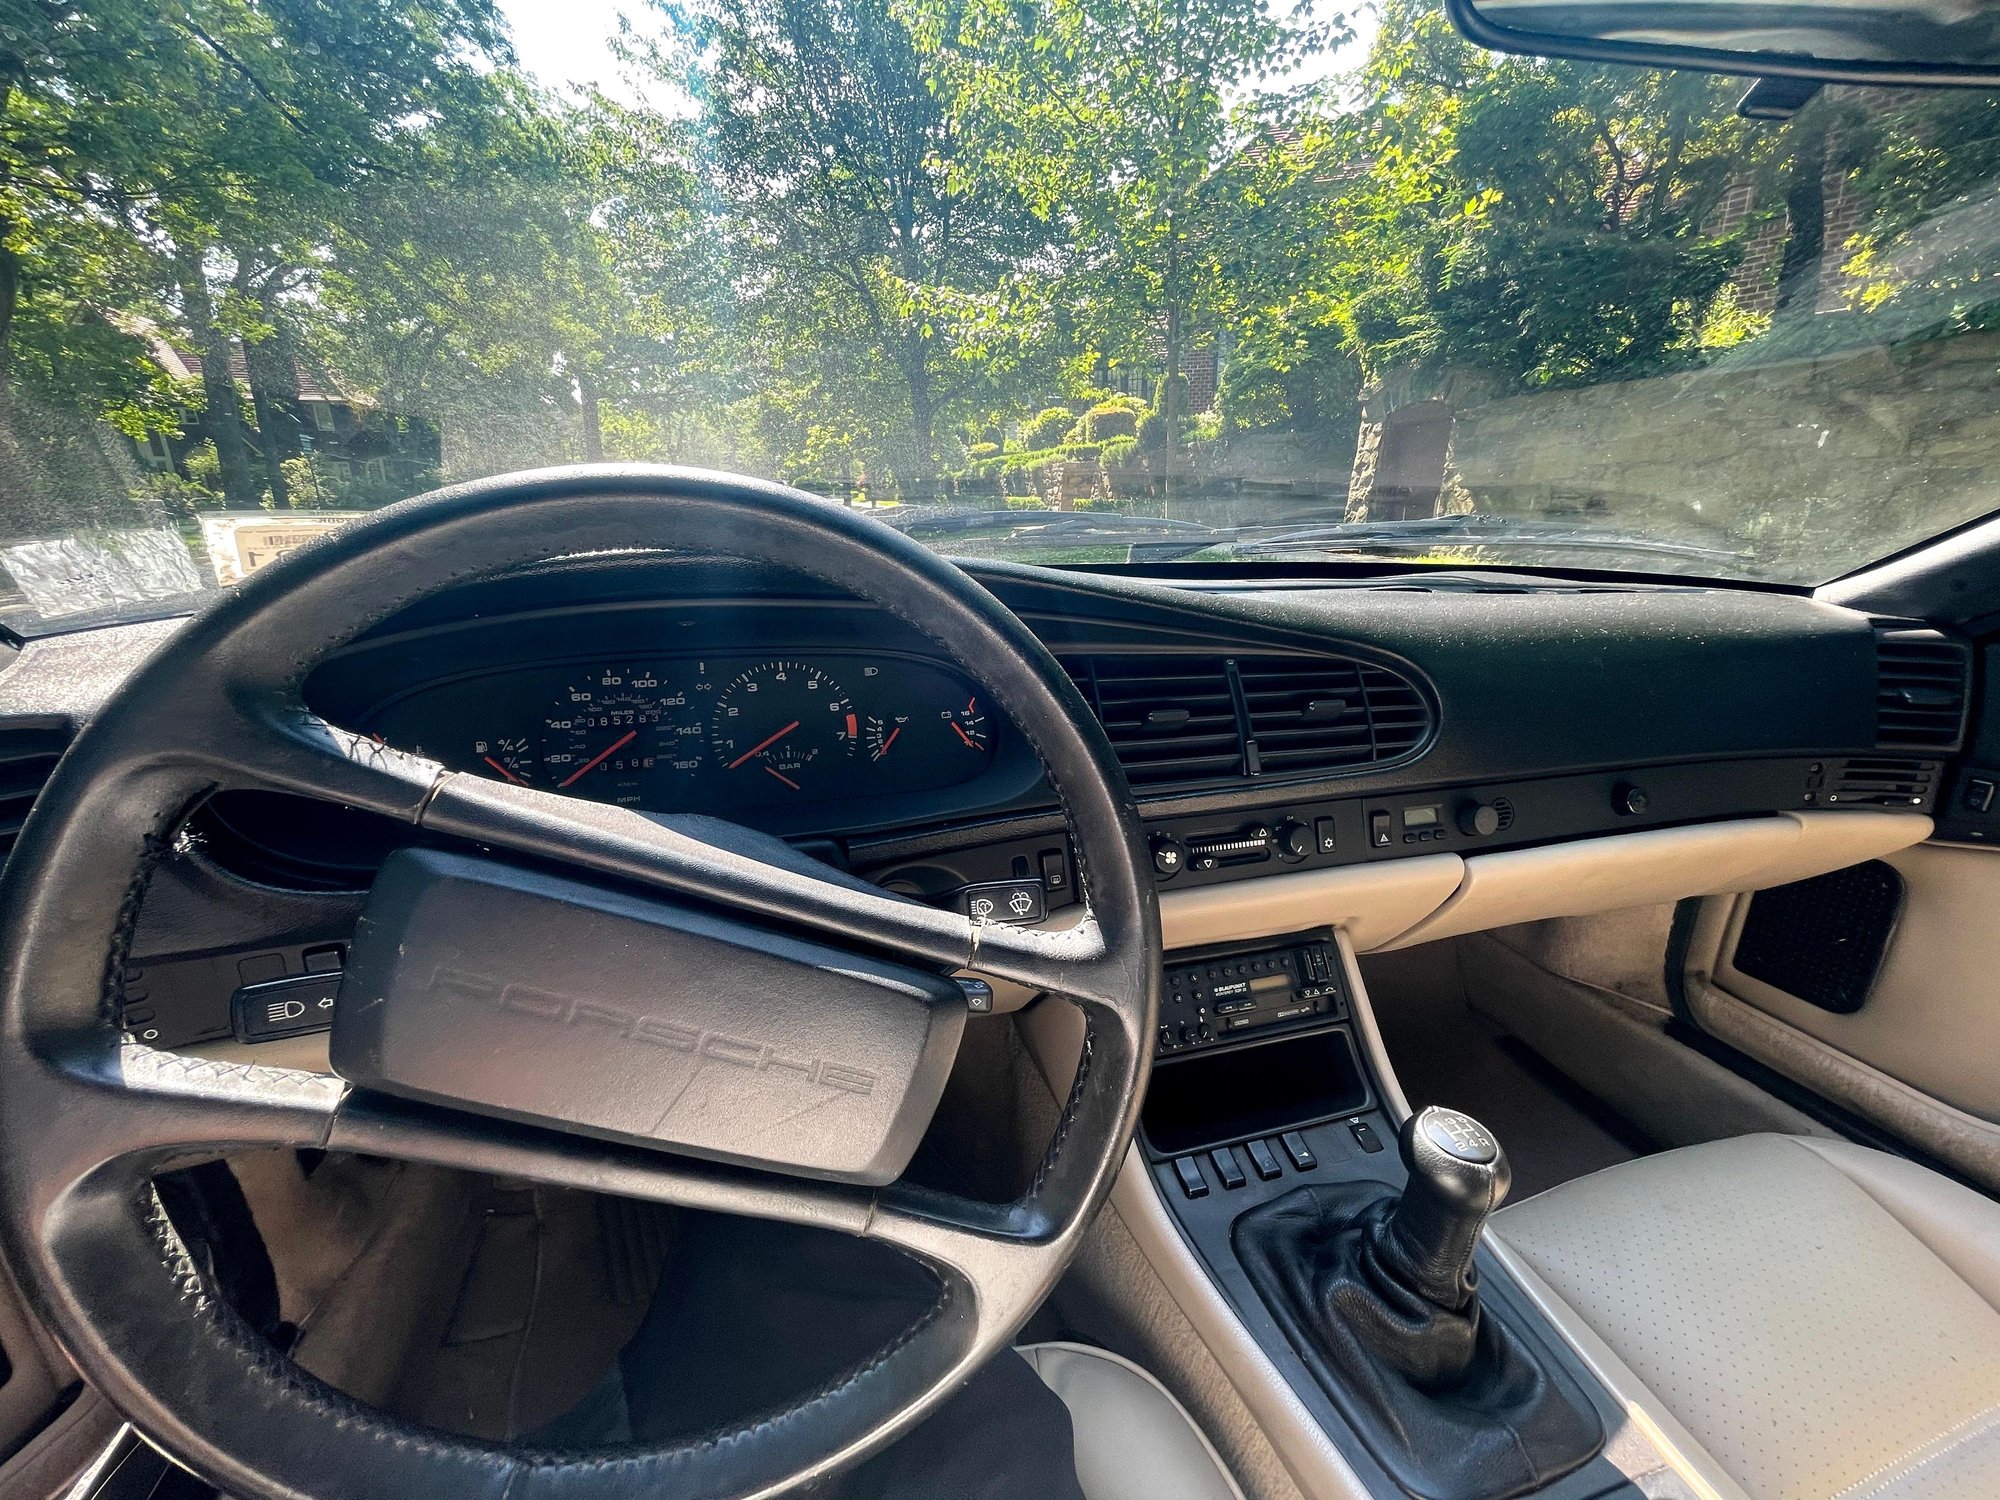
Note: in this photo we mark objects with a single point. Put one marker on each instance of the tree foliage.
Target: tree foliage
(867, 242)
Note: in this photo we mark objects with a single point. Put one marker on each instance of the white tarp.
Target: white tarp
(102, 570)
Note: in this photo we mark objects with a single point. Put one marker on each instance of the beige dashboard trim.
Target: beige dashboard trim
(1372, 902)
(1584, 877)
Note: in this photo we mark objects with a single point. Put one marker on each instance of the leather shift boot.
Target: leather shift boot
(1446, 1397)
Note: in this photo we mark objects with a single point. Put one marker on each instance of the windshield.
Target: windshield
(1066, 280)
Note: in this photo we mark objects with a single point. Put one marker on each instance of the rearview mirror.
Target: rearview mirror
(1851, 41)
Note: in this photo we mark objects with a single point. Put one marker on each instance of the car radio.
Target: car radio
(1224, 995)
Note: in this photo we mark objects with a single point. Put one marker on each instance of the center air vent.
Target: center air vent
(1169, 718)
(27, 756)
(1920, 689)
(1326, 713)
(1177, 720)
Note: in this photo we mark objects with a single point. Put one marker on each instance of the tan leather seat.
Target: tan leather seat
(1823, 1319)
(1134, 1441)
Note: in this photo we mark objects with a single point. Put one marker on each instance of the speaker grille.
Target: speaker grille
(1823, 939)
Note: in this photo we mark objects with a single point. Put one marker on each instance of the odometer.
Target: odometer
(781, 728)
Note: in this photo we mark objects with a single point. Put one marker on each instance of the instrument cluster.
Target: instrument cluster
(705, 734)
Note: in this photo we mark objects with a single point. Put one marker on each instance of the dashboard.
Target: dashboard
(1292, 730)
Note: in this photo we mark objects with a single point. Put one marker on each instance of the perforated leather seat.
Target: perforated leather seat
(1134, 1441)
(1823, 1320)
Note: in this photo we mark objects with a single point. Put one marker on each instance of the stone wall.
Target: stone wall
(1788, 458)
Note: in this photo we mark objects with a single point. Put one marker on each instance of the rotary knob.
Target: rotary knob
(1169, 855)
(1478, 819)
(1294, 840)
(1629, 801)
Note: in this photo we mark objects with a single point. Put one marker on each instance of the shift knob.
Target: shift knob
(1458, 1175)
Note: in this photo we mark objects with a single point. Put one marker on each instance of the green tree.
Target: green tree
(877, 249)
(1113, 118)
(1533, 222)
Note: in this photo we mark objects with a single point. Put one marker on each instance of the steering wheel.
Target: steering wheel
(88, 1116)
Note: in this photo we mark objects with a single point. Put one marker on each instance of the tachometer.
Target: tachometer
(614, 730)
(785, 723)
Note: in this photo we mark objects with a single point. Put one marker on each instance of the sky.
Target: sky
(565, 42)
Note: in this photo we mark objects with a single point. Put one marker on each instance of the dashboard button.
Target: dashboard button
(1297, 1149)
(1265, 1160)
(1628, 801)
(1055, 870)
(284, 1007)
(1227, 1167)
(1379, 832)
(1004, 901)
(1192, 1182)
(1325, 836)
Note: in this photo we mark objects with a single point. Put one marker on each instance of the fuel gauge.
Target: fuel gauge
(509, 759)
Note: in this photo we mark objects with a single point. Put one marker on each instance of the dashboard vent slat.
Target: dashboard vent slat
(1921, 689)
(27, 758)
(1382, 717)
(1170, 719)
(1185, 719)
(1883, 781)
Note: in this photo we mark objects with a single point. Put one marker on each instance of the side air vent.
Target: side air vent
(1921, 689)
(1883, 781)
(27, 756)
(1182, 719)
(1169, 718)
(1327, 713)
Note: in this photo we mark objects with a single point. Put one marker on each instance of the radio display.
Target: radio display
(1420, 817)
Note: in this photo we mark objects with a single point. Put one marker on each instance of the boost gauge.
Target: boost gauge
(785, 726)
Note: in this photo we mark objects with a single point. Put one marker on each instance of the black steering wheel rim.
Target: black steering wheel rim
(88, 1116)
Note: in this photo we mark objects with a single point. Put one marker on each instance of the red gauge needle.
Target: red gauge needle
(888, 742)
(783, 777)
(606, 753)
(517, 780)
(962, 734)
(760, 745)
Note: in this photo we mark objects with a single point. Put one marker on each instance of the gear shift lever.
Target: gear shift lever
(1377, 1293)
(1458, 1175)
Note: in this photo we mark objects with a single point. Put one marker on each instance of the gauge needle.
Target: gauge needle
(511, 776)
(606, 753)
(764, 744)
(962, 734)
(783, 777)
(888, 742)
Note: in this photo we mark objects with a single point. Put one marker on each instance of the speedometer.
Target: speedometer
(783, 727)
(615, 730)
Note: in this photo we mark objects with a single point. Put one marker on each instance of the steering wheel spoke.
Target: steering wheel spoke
(139, 1110)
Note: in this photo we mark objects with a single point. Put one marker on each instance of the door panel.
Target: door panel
(1932, 1016)
(1917, 1057)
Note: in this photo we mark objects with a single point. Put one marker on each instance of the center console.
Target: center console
(1274, 1144)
